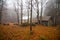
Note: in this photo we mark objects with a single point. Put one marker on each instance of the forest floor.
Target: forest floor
(15, 32)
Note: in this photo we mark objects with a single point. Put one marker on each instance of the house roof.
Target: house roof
(46, 18)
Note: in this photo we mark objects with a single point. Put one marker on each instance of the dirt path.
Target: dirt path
(14, 32)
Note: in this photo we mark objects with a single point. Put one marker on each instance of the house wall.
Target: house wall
(50, 23)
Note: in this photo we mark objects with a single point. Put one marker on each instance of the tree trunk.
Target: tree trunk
(21, 11)
(28, 12)
(31, 19)
(41, 12)
(1, 9)
(17, 12)
(28, 15)
(37, 11)
(18, 18)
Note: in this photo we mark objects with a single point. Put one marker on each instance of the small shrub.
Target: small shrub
(24, 24)
(36, 22)
(33, 24)
(5, 24)
(27, 24)
(16, 24)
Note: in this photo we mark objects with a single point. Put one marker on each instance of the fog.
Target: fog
(9, 14)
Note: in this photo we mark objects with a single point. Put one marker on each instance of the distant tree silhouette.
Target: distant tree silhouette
(1, 8)
(41, 11)
(17, 10)
(2, 3)
(28, 10)
(21, 11)
(37, 2)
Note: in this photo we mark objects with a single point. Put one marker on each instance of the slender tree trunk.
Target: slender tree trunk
(31, 19)
(28, 13)
(41, 12)
(21, 10)
(18, 18)
(37, 11)
(37, 14)
(17, 12)
(28, 16)
(1, 9)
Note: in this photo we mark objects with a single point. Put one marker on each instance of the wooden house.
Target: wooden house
(46, 20)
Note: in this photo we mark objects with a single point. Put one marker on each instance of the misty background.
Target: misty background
(9, 15)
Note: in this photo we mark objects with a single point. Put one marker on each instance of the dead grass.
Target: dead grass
(14, 32)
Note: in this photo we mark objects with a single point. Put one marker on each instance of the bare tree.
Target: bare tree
(41, 11)
(1, 6)
(37, 2)
(2, 3)
(17, 10)
(28, 7)
(31, 19)
(21, 10)
(28, 12)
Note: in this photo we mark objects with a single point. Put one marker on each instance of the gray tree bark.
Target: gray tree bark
(1, 9)
(28, 10)
(41, 11)
(31, 19)
(21, 10)
(37, 10)
(17, 11)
